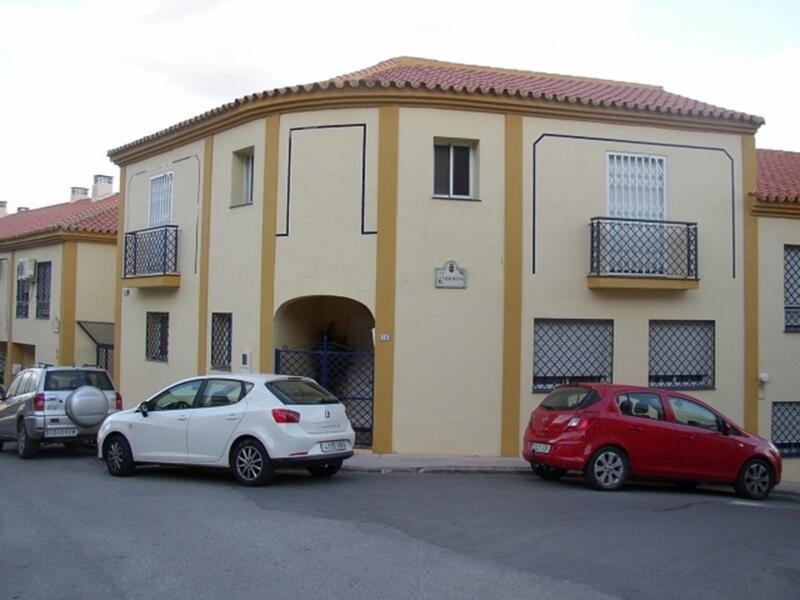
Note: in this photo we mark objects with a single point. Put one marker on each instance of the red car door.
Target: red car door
(704, 451)
(650, 438)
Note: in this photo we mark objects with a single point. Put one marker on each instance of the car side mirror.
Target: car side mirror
(723, 427)
(143, 408)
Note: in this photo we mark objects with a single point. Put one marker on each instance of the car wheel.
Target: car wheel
(755, 480)
(119, 458)
(326, 470)
(547, 472)
(250, 463)
(26, 447)
(1, 445)
(607, 469)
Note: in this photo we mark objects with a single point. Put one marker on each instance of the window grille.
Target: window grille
(637, 186)
(221, 341)
(23, 298)
(247, 176)
(453, 166)
(791, 287)
(157, 336)
(43, 275)
(682, 354)
(105, 357)
(786, 427)
(160, 200)
(571, 351)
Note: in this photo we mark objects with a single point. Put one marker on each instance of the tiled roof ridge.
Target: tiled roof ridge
(91, 216)
(430, 62)
(98, 207)
(778, 176)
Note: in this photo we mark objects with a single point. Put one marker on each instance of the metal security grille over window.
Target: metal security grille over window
(791, 287)
(221, 339)
(786, 428)
(23, 298)
(453, 169)
(157, 336)
(161, 200)
(571, 351)
(43, 276)
(682, 354)
(637, 186)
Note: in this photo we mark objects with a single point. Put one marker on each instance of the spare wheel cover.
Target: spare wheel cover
(87, 406)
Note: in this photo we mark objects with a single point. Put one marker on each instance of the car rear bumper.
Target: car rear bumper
(570, 454)
(37, 430)
(308, 461)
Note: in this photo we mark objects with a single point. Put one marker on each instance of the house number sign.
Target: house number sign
(450, 275)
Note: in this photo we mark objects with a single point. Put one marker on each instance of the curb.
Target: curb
(434, 469)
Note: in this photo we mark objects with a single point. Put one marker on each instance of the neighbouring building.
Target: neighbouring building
(441, 244)
(57, 281)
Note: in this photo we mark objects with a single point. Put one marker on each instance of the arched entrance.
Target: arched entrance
(330, 338)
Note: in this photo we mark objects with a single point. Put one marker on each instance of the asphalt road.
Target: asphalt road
(68, 530)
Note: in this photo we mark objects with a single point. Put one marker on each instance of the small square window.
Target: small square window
(157, 336)
(242, 177)
(454, 169)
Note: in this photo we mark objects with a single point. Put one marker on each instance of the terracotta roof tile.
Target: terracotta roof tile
(83, 215)
(435, 75)
(778, 176)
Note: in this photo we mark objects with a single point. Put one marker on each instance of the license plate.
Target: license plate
(337, 446)
(541, 448)
(54, 433)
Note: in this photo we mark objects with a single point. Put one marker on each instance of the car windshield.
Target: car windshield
(59, 381)
(569, 399)
(297, 391)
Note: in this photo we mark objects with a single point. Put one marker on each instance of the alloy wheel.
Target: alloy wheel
(757, 479)
(116, 454)
(249, 463)
(608, 469)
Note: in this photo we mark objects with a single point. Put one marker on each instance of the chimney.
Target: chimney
(3, 208)
(102, 187)
(78, 193)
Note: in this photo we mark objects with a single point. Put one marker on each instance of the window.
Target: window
(161, 200)
(72, 379)
(786, 427)
(223, 392)
(157, 336)
(791, 288)
(23, 298)
(298, 391)
(641, 404)
(637, 186)
(682, 354)
(242, 177)
(43, 273)
(571, 351)
(221, 336)
(453, 169)
(178, 397)
(690, 413)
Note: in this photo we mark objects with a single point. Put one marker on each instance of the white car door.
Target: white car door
(160, 434)
(219, 408)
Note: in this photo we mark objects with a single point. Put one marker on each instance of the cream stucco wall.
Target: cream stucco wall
(94, 294)
(39, 332)
(779, 352)
(571, 189)
(325, 252)
(235, 252)
(448, 371)
(139, 377)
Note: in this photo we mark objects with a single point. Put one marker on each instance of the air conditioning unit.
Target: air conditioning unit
(26, 269)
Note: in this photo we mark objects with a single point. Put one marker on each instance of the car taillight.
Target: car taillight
(38, 402)
(118, 401)
(578, 423)
(284, 415)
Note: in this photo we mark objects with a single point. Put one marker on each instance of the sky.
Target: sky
(79, 77)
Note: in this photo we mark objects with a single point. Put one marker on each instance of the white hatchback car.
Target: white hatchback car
(249, 423)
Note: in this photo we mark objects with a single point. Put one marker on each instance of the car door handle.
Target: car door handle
(687, 438)
(183, 418)
(231, 417)
(636, 430)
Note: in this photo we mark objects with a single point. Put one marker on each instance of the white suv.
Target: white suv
(249, 423)
(65, 405)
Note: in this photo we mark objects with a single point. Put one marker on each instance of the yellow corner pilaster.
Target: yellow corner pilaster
(750, 224)
(69, 273)
(118, 292)
(268, 229)
(11, 276)
(205, 247)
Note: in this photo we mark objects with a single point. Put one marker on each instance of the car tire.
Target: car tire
(325, 470)
(119, 457)
(607, 470)
(250, 463)
(26, 447)
(755, 480)
(1, 445)
(547, 472)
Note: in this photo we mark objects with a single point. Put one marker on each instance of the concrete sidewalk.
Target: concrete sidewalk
(366, 461)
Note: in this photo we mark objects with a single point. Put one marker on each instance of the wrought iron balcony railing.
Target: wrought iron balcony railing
(152, 251)
(631, 247)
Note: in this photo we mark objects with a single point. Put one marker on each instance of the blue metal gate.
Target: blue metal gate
(347, 374)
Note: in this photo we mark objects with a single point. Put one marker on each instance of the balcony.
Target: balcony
(637, 254)
(151, 257)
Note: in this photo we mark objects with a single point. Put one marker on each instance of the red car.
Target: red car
(615, 432)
